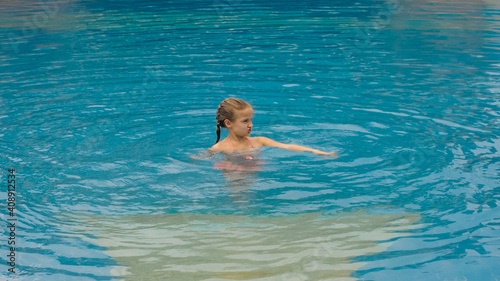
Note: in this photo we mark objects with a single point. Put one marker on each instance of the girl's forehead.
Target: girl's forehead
(247, 112)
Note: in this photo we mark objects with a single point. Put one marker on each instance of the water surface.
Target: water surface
(103, 103)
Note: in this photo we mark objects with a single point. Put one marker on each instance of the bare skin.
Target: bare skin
(241, 128)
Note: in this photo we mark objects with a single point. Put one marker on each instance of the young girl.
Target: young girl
(240, 149)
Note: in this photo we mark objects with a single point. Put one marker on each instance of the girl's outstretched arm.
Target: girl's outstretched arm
(269, 142)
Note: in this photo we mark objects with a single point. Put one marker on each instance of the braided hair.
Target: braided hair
(227, 110)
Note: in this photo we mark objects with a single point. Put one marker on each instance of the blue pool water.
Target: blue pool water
(104, 102)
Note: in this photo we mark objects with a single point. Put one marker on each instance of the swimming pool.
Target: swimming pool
(104, 102)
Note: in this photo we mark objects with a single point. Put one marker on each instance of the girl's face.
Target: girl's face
(242, 124)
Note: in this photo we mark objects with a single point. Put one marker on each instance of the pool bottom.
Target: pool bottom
(228, 247)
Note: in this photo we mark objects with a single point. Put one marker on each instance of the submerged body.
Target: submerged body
(241, 160)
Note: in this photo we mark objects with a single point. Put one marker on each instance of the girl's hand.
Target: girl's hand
(203, 155)
(196, 157)
(322, 153)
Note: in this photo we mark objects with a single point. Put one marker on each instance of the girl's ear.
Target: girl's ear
(227, 123)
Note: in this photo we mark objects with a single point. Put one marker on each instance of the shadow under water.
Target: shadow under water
(229, 247)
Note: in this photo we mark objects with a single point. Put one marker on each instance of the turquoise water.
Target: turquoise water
(104, 102)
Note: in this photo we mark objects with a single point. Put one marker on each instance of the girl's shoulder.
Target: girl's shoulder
(221, 146)
(259, 141)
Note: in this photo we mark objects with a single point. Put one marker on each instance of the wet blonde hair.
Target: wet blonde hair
(227, 110)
